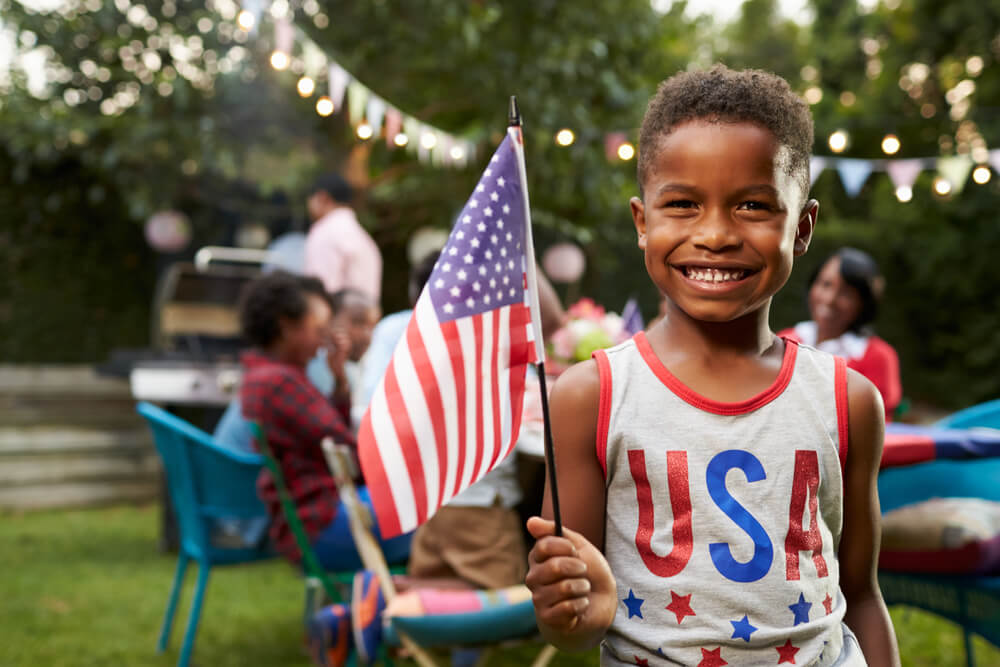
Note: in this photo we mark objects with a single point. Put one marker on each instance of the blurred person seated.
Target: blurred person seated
(844, 295)
(288, 319)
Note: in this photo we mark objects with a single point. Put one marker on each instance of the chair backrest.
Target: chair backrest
(206, 482)
(981, 415)
(310, 562)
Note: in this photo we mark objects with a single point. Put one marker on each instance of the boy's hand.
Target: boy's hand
(337, 348)
(572, 587)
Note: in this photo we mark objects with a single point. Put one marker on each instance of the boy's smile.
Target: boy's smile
(714, 221)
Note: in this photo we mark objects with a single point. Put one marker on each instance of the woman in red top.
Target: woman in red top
(843, 300)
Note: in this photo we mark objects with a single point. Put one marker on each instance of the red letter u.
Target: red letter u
(680, 504)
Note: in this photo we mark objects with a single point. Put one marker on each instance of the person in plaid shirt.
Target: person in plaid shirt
(287, 318)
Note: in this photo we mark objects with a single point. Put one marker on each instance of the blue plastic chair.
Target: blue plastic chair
(207, 484)
(973, 602)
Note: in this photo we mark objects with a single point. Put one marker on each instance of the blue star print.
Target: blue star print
(634, 604)
(801, 610)
(742, 629)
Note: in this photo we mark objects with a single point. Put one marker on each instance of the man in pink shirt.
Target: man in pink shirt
(338, 249)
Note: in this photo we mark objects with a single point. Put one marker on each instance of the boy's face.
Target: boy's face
(357, 319)
(721, 219)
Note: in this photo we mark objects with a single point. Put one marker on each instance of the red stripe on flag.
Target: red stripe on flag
(477, 329)
(521, 352)
(432, 394)
(376, 479)
(495, 388)
(449, 330)
(408, 441)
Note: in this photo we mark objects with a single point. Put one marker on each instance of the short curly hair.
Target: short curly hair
(270, 298)
(723, 95)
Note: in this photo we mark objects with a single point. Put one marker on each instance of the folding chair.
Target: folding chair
(360, 521)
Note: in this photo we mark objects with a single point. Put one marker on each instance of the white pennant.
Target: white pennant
(375, 112)
(338, 80)
(816, 166)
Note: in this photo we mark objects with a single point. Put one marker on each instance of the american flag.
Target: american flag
(449, 405)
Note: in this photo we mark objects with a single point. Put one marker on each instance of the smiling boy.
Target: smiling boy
(717, 482)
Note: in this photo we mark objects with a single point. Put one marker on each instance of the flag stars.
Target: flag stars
(470, 302)
(462, 274)
(481, 227)
(453, 251)
(467, 259)
(480, 188)
(473, 203)
(448, 308)
(446, 267)
(474, 243)
(500, 220)
(499, 295)
(494, 196)
(505, 208)
(486, 299)
(439, 283)
(476, 286)
(506, 280)
(488, 212)
(510, 237)
(466, 219)
(501, 181)
(461, 235)
(488, 254)
(494, 239)
(493, 283)
(503, 252)
(482, 270)
(513, 291)
(510, 264)
(498, 267)
(488, 172)
(454, 291)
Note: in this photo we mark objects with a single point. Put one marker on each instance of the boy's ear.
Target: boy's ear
(807, 222)
(639, 218)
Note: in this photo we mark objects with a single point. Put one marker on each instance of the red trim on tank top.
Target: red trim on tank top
(603, 408)
(840, 391)
(707, 404)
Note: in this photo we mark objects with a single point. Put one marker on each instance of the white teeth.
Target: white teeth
(714, 275)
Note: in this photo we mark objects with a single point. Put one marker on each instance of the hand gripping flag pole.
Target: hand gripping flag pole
(514, 131)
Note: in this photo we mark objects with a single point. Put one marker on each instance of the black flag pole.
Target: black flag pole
(514, 120)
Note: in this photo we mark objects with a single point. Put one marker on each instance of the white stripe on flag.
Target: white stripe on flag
(413, 397)
(392, 457)
(437, 352)
(467, 340)
(486, 405)
(503, 359)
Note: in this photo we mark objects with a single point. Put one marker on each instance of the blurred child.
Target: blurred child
(717, 482)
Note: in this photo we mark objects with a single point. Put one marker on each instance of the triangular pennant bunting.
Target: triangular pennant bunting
(955, 169)
(853, 174)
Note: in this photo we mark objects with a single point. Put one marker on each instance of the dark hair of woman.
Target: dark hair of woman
(859, 270)
(273, 297)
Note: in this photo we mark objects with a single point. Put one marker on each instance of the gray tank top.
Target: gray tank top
(723, 519)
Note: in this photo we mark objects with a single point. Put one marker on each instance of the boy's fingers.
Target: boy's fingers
(552, 547)
(555, 570)
(564, 614)
(539, 527)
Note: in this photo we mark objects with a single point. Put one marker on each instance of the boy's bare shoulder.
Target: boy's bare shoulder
(866, 416)
(579, 386)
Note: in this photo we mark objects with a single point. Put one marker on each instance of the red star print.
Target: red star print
(641, 661)
(787, 652)
(828, 603)
(712, 658)
(681, 606)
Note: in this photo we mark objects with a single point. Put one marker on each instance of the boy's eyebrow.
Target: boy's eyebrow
(676, 187)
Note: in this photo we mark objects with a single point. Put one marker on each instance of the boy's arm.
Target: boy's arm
(572, 587)
(866, 614)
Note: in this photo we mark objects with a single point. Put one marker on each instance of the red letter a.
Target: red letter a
(805, 483)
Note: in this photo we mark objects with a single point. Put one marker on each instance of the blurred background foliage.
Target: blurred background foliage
(154, 104)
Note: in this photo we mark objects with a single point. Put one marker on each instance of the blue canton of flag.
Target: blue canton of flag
(482, 265)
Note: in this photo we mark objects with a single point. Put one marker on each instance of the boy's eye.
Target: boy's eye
(680, 203)
(753, 205)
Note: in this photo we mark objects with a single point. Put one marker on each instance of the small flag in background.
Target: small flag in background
(449, 406)
(632, 317)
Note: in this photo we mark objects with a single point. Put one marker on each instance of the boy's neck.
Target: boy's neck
(748, 335)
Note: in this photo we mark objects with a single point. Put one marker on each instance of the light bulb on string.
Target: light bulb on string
(245, 20)
(457, 153)
(565, 137)
(400, 139)
(838, 141)
(626, 152)
(365, 131)
(428, 140)
(904, 193)
(981, 174)
(942, 186)
(324, 106)
(306, 86)
(890, 144)
(280, 60)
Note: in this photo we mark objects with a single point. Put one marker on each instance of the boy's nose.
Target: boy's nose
(716, 232)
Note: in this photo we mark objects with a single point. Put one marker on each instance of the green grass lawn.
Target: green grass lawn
(89, 588)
